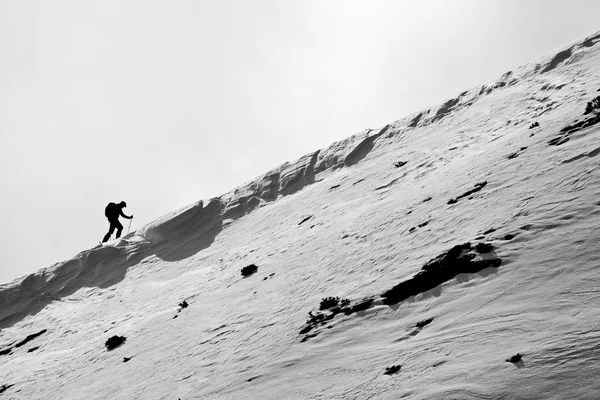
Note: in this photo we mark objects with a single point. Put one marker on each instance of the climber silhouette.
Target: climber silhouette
(112, 212)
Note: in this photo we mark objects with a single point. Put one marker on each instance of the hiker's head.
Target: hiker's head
(123, 204)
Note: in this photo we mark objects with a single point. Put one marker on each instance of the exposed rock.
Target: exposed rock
(249, 270)
(460, 259)
(305, 219)
(515, 359)
(424, 323)
(114, 342)
(329, 302)
(392, 370)
(30, 338)
(4, 388)
(477, 188)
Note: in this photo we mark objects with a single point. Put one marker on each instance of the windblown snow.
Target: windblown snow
(452, 254)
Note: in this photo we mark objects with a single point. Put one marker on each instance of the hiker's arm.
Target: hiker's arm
(125, 216)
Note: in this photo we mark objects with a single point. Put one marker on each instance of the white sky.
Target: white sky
(162, 103)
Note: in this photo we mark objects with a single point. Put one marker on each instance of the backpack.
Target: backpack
(111, 211)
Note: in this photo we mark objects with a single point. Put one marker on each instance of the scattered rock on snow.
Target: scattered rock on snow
(463, 258)
(328, 302)
(516, 153)
(400, 164)
(30, 338)
(491, 230)
(114, 342)
(515, 359)
(424, 323)
(4, 388)
(593, 108)
(305, 219)
(392, 370)
(249, 270)
(477, 188)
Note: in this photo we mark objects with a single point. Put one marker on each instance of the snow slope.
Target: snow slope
(357, 220)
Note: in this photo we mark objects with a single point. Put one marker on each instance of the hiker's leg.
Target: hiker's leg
(119, 229)
(110, 232)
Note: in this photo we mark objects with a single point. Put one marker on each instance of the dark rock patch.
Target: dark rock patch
(4, 388)
(329, 302)
(484, 247)
(491, 230)
(182, 305)
(463, 258)
(305, 219)
(6, 351)
(249, 270)
(424, 323)
(125, 359)
(592, 109)
(31, 350)
(394, 369)
(534, 125)
(421, 225)
(335, 187)
(510, 236)
(592, 106)
(312, 335)
(515, 359)
(427, 199)
(31, 337)
(317, 319)
(399, 164)
(114, 342)
(516, 153)
(476, 188)
(269, 277)
(358, 181)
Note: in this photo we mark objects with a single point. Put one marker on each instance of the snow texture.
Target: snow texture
(463, 240)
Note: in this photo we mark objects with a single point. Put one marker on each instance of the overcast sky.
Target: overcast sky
(162, 103)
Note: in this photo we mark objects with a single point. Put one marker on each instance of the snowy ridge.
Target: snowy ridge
(457, 237)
